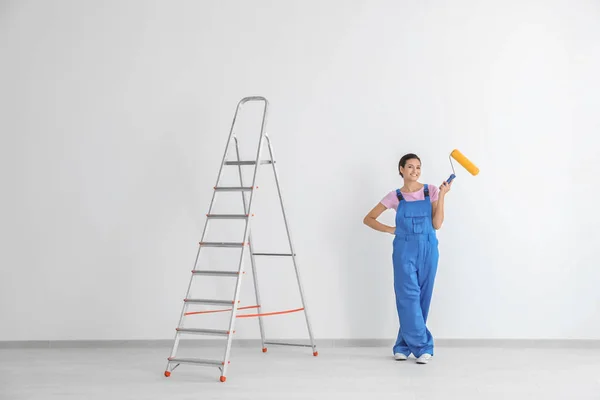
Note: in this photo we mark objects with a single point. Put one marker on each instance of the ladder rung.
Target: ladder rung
(288, 344)
(247, 162)
(222, 244)
(209, 302)
(233, 188)
(216, 273)
(194, 361)
(274, 254)
(214, 332)
(227, 216)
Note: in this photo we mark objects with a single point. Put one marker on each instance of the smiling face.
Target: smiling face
(411, 171)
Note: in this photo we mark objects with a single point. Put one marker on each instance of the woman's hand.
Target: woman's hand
(371, 220)
(445, 188)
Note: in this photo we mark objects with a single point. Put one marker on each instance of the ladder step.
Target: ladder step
(222, 244)
(216, 273)
(214, 332)
(227, 216)
(233, 188)
(247, 162)
(209, 302)
(194, 361)
(274, 254)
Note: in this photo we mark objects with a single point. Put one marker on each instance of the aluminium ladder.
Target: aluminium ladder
(246, 244)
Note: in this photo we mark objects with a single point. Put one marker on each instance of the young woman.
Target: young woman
(419, 213)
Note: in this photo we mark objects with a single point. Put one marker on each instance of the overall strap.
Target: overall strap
(426, 190)
(399, 195)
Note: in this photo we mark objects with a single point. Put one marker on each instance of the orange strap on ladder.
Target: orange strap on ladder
(247, 315)
(270, 313)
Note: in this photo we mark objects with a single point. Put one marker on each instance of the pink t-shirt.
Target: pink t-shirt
(391, 200)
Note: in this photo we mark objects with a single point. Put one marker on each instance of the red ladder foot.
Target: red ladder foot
(167, 374)
(223, 379)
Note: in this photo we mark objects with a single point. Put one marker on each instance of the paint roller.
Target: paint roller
(464, 161)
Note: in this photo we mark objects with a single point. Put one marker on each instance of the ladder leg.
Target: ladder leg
(252, 260)
(293, 252)
(234, 310)
(257, 295)
(245, 239)
(180, 324)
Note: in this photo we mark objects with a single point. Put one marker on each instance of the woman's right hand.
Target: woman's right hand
(445, 188)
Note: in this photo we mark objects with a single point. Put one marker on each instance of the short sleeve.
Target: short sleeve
(390, 200)
(434, 192)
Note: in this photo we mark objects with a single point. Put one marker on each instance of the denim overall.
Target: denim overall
(415, 258)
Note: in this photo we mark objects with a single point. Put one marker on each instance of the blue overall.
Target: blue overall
(415, 259)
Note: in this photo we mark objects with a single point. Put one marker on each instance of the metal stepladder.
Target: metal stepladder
(246, 244)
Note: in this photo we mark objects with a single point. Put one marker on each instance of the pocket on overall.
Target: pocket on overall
(418, 217)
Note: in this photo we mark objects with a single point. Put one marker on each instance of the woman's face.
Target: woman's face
(412, 170)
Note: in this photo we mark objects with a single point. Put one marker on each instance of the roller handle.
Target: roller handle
(451, 178)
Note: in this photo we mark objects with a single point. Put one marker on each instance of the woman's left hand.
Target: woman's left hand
(445, 188)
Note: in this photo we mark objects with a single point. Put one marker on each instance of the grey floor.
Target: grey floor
(293, 373)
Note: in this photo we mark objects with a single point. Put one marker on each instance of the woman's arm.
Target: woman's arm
(371, 220)
(438, 212)
(438, 206)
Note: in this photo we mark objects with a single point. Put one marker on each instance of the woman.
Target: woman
(419, 213)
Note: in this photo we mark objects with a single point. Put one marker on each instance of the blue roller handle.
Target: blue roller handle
(451, 178)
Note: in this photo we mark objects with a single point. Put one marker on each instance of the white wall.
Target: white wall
(115, 114)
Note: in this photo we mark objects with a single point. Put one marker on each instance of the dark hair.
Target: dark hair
(404, 159)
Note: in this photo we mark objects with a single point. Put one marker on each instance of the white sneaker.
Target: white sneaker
(400, 357)
(424, 359)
